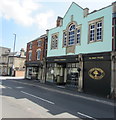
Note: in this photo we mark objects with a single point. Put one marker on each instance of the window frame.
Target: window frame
(55, 41)
(77, 28)
(101, 31)
(40, 54)
(75, 34)
(65, 38)
(30, 52)
(72, 24)
(30, 45)
(90, 41)
(39, 45)
(96, 21)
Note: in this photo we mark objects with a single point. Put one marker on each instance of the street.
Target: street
(22, 100)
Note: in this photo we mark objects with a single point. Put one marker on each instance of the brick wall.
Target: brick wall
(35, 48)
(19, 73)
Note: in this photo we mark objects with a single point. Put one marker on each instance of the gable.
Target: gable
(74, 13)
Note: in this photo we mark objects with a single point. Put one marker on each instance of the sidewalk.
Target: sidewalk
(63, 90)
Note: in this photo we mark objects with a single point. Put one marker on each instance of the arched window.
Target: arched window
(71, 31)
(54, 41)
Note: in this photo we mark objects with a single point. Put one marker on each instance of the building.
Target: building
(35, 58)
(16, 63)
(4, 53)
(81, 50)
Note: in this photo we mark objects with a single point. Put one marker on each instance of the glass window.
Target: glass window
(99, 31)
(78, 36)
(39, 43)
(95, 31)
(71, 39)
(38, 54)
(30, 45)
(92, 33)
(64, 39)
(30, 56)
(54, 41)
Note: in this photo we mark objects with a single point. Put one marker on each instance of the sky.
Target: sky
(29, 19)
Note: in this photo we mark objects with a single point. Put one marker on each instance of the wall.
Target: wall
(77, 12)
(18, 62)
(34, 49)
(19, 73)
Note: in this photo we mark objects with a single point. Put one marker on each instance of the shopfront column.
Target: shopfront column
(80, 83)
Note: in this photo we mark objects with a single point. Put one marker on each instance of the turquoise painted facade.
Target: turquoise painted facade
(102, 46)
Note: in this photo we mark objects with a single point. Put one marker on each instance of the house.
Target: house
(4, 53)
(16, 63)
(81, 50)
(35, 58)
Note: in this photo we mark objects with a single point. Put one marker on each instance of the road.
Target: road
(21, 100)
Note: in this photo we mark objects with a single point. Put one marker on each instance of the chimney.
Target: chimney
(114, 7)
(22, 52)
(59, 21)
(86, 12)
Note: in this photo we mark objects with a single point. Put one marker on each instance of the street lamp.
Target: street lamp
(14, 43)
(13, 53)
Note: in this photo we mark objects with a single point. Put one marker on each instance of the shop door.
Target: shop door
(97, 77)
(72, 75)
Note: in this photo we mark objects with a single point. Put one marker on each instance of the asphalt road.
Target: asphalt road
(21, 100)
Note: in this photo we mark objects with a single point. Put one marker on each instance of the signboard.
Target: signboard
(97, 74)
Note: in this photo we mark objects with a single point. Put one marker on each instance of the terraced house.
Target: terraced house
(81, 50)
(35, 58)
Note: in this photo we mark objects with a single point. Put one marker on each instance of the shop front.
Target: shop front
(97, 73)
(64, 70)
(33, 70)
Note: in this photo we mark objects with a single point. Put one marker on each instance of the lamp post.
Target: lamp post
(14, 42)
(13, 53)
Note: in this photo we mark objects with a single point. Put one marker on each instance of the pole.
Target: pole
(14, 43)
(13, 52)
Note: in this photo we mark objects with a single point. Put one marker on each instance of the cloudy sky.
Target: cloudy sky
(29, 19)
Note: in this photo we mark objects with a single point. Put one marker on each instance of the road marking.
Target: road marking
(19, 87)
(61, 86)
(1, 86)
(87, 116)
(4, 86)
(71, 94)
(8, 87)
(38, 97)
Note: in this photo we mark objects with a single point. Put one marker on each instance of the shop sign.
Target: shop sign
(96, 73)
(59, 59)
(94, 58)
(97, 57)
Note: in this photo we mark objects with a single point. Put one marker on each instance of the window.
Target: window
(99, 31)
(54, 41)
(95, 31)
(78, 32)
(39, 43)
(30, 56)
(38, 54)
(72, 35)
(64, 38)
(92, 33)
(71, 39)
(30, 45)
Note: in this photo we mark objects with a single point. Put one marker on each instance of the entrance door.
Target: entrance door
(72, 75)
(97, 77)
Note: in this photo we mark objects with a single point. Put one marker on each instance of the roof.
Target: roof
(42, 36)
(83, 9)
